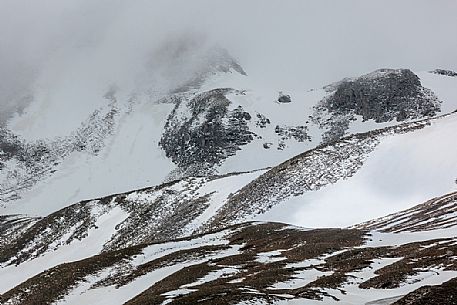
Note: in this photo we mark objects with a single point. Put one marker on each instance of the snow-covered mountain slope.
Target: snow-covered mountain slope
(215, 120)
(192, 205)
(261, 263)
(186, 241)
(357, 170)
(313, 189)
(397, 170)
(113, 139)
(437, 213)
(283, 130)
(124, 159)
(164, 212)
(378, 172)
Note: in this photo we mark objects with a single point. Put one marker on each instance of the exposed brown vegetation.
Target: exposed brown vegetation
(444, 294)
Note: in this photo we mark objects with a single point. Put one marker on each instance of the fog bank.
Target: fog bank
(80, 48)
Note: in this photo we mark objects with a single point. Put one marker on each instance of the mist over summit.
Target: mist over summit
(228, 152)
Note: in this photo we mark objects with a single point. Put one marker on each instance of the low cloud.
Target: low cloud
(83, 47)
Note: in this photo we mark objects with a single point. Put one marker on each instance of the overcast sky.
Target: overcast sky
(298, 42)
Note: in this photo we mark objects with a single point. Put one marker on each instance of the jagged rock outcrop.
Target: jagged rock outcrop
(444, 72)
(284, 98)
(203, 131)
(298, 133)
(384, 95)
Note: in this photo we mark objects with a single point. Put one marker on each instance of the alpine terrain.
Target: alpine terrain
(195, 182)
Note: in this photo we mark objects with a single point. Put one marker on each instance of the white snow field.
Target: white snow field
(402, 171)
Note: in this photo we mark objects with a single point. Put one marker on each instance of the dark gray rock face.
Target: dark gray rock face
(9, 146)
(284, 98)
(12, 147)
(262, 121)
(202, 132)
(384, 95)
(267, 145)
(21, 163)
(298, 133)
(444, 72)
